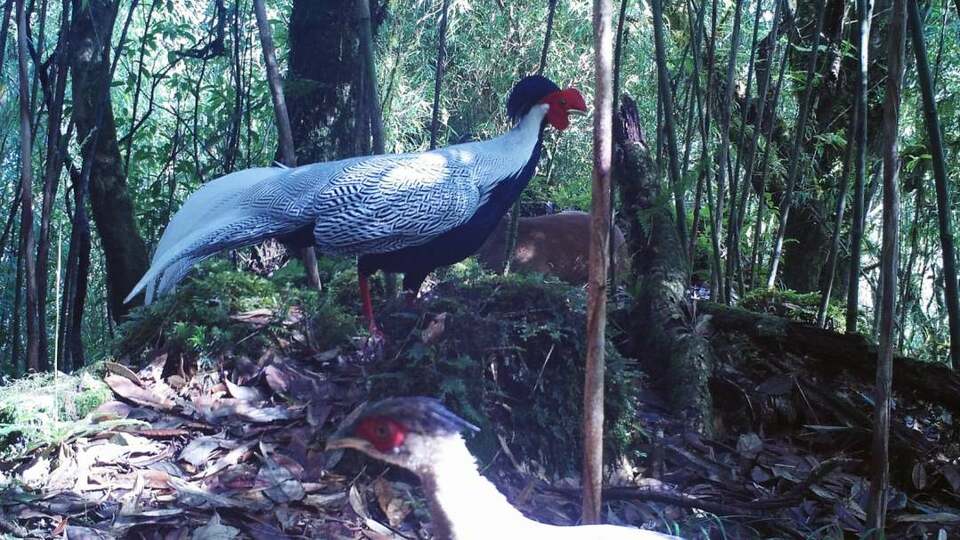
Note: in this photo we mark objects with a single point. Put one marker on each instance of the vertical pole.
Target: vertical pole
(940, 180)
(880, 473)
(599, 239)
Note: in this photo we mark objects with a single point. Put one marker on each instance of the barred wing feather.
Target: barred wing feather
(370, 204)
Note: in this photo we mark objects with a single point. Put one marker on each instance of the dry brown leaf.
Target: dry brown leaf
(435, 329)
(258, 318)
(126, 389)
(123, 371)
(394, 505)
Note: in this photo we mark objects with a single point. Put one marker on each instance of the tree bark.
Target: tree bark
(56, 147)
(113, 209)
(879, 478)
(793, 172)
(662, 322)
(764, 172)
(599, 246)
(738, 200)
(27, 243)
(838, 211)
(438, 74)
(284, 133)
(724, 154)
(666, 100)
(864, 16)
(370, 75)
(322, 90)
(935, 138)
(4, 28)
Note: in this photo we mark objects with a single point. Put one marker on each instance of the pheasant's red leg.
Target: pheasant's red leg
(368, 308)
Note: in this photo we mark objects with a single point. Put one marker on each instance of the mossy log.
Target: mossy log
(662, 326)
(834, 352)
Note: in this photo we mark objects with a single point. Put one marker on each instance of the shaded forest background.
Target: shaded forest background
(132, 105)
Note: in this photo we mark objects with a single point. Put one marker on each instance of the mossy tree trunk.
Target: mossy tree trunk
(123, 247)
(663, 323)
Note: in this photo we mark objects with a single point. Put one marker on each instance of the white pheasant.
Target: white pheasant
(421, 435)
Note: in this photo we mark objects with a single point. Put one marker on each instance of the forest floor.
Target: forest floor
(227, 442)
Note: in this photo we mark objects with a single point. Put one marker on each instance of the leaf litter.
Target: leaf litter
(231, 448)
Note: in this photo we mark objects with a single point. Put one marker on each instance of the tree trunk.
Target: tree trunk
(438, 74)
(940, 180)
(15, 348)
(54, 93)
(793, 172)
(864, 16)
(879, 478)
(666, 101)
(370, 75)
(113, 211)
(27, 243)
(322, 90)
(738, 202)
(838, 211)
(663, 322)
(599, 246)
(4, 29)
(725, 106)
(285, 135)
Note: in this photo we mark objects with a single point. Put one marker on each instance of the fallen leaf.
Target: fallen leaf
(215, 530)
(126, 389)
(395, 507)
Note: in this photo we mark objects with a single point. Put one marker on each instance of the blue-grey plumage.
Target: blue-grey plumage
(356, 206)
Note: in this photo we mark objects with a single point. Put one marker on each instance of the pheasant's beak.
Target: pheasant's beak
(343, 443)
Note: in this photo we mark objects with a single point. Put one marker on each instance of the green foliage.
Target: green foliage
(793, 305)
(44, 408)
(198, 317)
(510, 359)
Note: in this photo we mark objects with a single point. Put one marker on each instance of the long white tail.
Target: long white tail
(214, 218)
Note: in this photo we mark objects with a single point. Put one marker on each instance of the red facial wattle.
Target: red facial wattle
(385, 434)
(561, 103)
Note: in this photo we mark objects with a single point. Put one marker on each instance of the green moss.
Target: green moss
(511, 360)
(198, 316)
(793, 305)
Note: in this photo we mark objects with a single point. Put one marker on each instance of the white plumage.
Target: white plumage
(422, 436)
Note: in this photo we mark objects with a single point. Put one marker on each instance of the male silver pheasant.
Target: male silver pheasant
(421, 435)
(407, 213)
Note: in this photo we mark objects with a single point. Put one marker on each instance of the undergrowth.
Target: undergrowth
(44, 408)
(511, 360)
(198, 317)
(801, 307)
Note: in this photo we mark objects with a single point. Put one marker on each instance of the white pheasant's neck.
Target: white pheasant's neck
(463, 504)
(529, 127)
(509, 153)
(466, 506)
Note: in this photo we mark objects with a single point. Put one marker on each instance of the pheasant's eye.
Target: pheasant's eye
(563, 102)
(385, 434)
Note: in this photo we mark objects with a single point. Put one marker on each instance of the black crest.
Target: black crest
(422, 414)
(527, 93)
